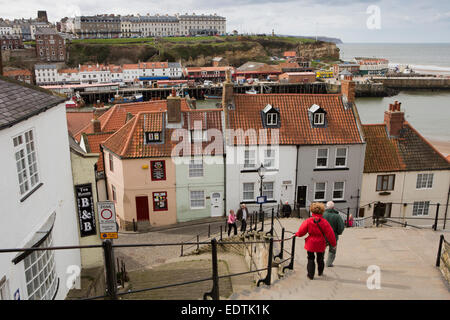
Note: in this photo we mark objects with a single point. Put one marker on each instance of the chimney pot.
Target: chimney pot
(394, 119)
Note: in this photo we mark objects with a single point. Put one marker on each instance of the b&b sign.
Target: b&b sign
(86, 213)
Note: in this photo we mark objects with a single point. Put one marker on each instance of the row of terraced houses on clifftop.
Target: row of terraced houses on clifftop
(313, 147)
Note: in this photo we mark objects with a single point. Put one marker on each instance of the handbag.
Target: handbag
(326, 240)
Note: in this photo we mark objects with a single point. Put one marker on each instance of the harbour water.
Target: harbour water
(422, 57)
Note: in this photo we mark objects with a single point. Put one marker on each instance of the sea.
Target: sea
(427, 111)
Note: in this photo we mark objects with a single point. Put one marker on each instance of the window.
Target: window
(272, 119)
(152, 137)
(249, 158)
(420, 208)
(160, 201)
(268, 190)
(114, 194)
(385, 182)
(196, 168)
(341, 157)
(319, 192)
(319, 118)
(322, 158)
(197, 199)
(26, 161)
(424, 181)
(338, 191)
(269, 158)
(249, 191)
(111, 163)
(40, 273)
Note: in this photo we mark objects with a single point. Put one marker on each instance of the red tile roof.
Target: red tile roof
(92, 142)
(128, 141)
(153, 65)
(78, 120)
(15, 73)
(289, 54)
(409, 152)
(296, 129)
(113, 119)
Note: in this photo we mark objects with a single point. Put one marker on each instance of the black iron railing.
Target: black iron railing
(111, 274)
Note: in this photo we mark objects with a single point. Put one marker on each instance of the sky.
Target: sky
(401, 21)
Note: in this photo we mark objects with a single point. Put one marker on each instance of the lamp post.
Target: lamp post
(261, 172)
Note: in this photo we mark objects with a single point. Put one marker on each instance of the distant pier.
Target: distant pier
(199, 92)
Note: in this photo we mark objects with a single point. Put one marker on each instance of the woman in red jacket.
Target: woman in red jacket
(319, 233)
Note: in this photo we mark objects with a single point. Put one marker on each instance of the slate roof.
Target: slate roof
(409, 152)
(128, 141)
(20, 101)
(295, 126)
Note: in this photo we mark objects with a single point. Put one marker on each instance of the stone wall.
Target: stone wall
(445, 261)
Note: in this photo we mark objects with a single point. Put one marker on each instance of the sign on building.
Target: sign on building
(158, 170)
(86, 213)
(107, 220)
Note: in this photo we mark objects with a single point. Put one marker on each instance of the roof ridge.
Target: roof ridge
(425, 140)
(130, 134)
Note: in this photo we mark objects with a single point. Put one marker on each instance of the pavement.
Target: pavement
(405, 257)
(137, 258)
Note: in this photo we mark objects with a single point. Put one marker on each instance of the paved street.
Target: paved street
(145, 257)
(406, 258)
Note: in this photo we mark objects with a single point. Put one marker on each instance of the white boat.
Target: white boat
(252, 91)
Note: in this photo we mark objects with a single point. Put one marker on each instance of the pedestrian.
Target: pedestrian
(286, 210)
(232, 222)
(337, 224)
(319, 233)
(350, 221)
(242, 215)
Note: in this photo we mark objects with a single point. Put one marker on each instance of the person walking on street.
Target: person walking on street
(337, 224)
(232, 222)
(319, 233)
(242, 215)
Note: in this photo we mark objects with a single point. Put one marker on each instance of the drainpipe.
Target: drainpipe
(104, 173)
(446, 208)
(296, 177)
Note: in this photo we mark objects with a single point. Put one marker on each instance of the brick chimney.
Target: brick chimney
(227, 90)
(173, 108)
(96, 124)
(394, 119)
(348, 88)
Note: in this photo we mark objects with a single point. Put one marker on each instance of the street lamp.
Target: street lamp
(261, 172)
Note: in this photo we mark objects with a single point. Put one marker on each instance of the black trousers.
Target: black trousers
(311, 267)
(232, 225)
(243, 225)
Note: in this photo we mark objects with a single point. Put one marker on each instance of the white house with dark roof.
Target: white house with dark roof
(36, 194)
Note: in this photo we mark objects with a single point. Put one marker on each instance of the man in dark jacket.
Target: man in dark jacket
(286, 210)
(242, 215)
(337, 224)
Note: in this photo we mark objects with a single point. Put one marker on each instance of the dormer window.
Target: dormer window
(317, 116)
(152, 137)
(270, 117)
